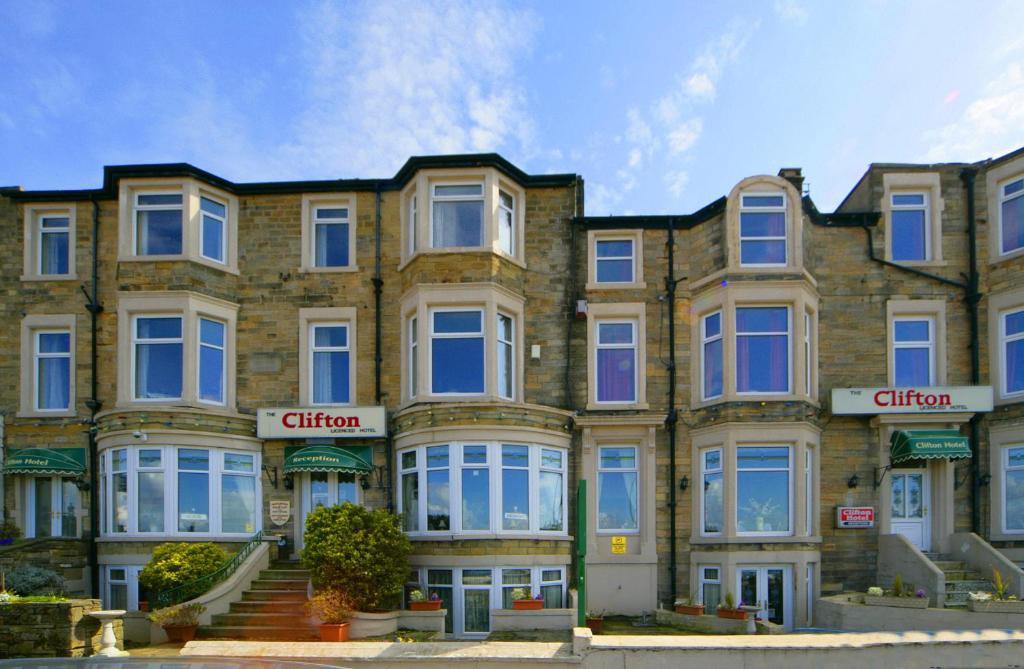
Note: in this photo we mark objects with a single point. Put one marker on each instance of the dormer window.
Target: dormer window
(457, 215)
(763, 230)
(910, 233)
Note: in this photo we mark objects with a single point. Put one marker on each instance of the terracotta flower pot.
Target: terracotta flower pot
(425, 605)
(527, 604)
(731, 614)
(691, 609)
(180, 633)
(143, 605)
(595, 624)
(334, 632)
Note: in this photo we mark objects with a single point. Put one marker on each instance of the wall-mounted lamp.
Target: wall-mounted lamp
(364, 482)
(684, 483)
(984, 479)
(853, 481)
(271, 473)
(82, 484)
(289, 482)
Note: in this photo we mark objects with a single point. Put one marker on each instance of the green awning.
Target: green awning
(63, 461)
(928, 445)
(348, 459)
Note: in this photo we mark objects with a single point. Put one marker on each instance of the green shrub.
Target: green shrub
(180, 615)
(175, 564)
(27, 580)
(9, 530)
(362, 552)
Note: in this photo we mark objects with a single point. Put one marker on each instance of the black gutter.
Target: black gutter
(94, 404)
(673, 416)
(973, 297)
(911, 270)
(655, 222)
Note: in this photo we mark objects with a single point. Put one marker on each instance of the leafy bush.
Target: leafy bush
(362, 552)
(175, 564)
(8, 530)
(332, 607)
(183, 615)
(27, 580)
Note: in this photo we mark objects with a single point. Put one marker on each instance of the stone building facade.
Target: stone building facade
(684, 366)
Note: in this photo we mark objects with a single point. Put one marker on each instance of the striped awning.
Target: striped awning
(348, 459)
(62, 461)
(928, 445)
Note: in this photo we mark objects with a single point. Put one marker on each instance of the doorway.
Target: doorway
(324, 489)
(53, 505)
(910, 497)
(770, 588)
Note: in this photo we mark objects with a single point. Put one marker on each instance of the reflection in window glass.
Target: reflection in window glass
(909, 226)
(762, 489)
(457, 352)
(712, 491)
(912, 352)
(515, 487)
(617, 489)
(1012, 325)
(762, 349)
(476, 488)
(438, 492)
(458, 216)
(193, 490)
(1013, 489)
(613, 260)
(616, 361)
(763, 230)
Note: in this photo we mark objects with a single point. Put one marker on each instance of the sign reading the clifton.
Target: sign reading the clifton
(851, 401)
(337, 422)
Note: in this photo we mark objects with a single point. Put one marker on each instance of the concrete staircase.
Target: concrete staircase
(273, 609)
(960, 580)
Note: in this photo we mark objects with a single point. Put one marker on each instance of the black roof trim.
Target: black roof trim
(1016, 153)
(654, 222)
(114, 173)
(844, 219)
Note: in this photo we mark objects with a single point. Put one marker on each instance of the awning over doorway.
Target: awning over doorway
(62, 461)
(348, 459)
(928, 445)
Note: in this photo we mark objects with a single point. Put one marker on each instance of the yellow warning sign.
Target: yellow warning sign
(619, 545)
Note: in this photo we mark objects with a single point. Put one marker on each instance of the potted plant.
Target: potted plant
(8, 532)
(332, 607)
(595, 621)
(999, 601)
(901, 596)
(179, 622)
(418, 602)
(523, 601)
(686, 606)
(727, 609)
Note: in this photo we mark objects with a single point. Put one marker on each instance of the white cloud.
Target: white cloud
(639, 132)
(684, 136)
(635, 156)
(988, 127)
(791, 10)
(699, 85)
(601, 200)
(676, 181)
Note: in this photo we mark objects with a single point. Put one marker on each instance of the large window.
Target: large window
(616, 362)
(1012, 348)
(179, 491)
(212, 361)
(763, 490)
(618, 480)
(614, 260)
(330, 236)
(329, 363)
(711, 361)
(910, 226)
(763, 230)
(713, 515)
(158, 223)
(52, 354)
(214, 229)
(1011, 216)
(1013, 489)
(457, 215)
(157, 357)
(457, 352)
(762, 349)
(476, 487)
(913, 352)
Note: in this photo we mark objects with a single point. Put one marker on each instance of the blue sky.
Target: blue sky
(662, 107)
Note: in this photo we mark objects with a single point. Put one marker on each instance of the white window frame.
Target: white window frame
(790, 490)
(1005, 457)
(510, 346)
(633, 345)
(316, 221)
(41, 233)
(130, 581)
(434, 197)
(635, 469)
(930, 344)
(222, 220)
(783, 208)
(37, 358)
(704, 472)
(510, 212)
(1003, 198)
(808, 359)
(413, 356)
(789, 347)
(134, 457)
(413, 224)
(809, 490)
(703, 579)
(314, 349)
(631, 258)
(199, 361)
(494, 467)
(925, 206)
(136, 208)
(135, 341)
(705, 341)
(481, 334)
(1004, 341)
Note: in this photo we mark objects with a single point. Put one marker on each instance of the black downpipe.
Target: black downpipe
(973, 297)
(378, 286)
(673, 417)
(94, 308)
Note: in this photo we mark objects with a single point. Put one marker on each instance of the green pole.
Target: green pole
(581, 554)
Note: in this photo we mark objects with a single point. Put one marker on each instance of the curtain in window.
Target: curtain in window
(55, 253)
(552, 595)
(158, 370)
(1013, 224)
(616, 375)
(54, 383)
(1014, 324)
(330, 377)
(477, 610)
(762, 363)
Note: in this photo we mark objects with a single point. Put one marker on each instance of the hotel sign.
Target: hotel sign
(848, 517)
(328, 422)
(946, 399)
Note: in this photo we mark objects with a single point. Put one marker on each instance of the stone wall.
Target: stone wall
(67, 557)
(60, 629)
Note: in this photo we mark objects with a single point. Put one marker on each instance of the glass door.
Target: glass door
(53, 507)
(476, 599)
(909, 501)
(768, 588)
(326, 489)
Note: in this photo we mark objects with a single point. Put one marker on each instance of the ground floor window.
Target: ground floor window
(709, 592)
(470, 593)
(120, 587)
(1013, 489)
(52, 507)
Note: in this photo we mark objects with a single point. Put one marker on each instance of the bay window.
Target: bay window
(711, 361)
(1013, 489)
(157, 346)
(711, 491)
(1011, 216)
(762, 350)
(506, 222)
(179, 491)
(212, 361)
(457, 352)
(457, 215)
(213, 229)
(483, 488)
(617, 489)
(1011, 326)
(159, 222)
(763, 490)
(763, 230)
(616, 361)
(913, 352)
(910, 226)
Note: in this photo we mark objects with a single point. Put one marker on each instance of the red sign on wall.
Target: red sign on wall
(855, 516)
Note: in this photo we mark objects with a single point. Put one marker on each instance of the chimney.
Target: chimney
(793, 175)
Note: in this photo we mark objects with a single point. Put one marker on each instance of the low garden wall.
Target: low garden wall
(57, 629)
(710, 624)
(67, 557)
(845, 612)
(511, 620)
(427, 621)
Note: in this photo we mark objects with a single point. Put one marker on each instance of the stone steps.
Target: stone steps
(960, 580)
(294, 632)
(272, 609)
(274, 596)
(269, 606)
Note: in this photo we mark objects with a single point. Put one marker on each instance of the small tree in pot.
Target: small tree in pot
(333, 608)
(179, 622)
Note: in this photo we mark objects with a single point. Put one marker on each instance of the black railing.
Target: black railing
(204, 584)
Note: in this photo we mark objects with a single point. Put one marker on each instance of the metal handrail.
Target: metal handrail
(204, 584)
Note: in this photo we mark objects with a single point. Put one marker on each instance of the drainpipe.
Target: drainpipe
(571, 296)
(972, 298)
(378, 286)
(673, 417)
(94, 308)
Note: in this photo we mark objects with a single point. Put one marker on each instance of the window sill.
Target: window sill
(919, 263)
(161, 538)
(329, 270)
(617, 406)
(754, 398)
(634, 285)
(46, 414)
(199, 260)
(1010, 255)
(460, 249)
(49, 277)
(488, 536)
(705, 541)
(1000, 400)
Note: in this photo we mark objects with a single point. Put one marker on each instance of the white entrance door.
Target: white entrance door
(910, 491)
(325, 489)
(769, 587)
(53, 505)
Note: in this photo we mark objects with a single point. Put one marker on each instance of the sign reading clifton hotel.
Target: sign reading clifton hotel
(873, 401)
(332, 422)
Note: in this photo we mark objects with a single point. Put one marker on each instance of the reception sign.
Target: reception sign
(946, 399)
(330, 422)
